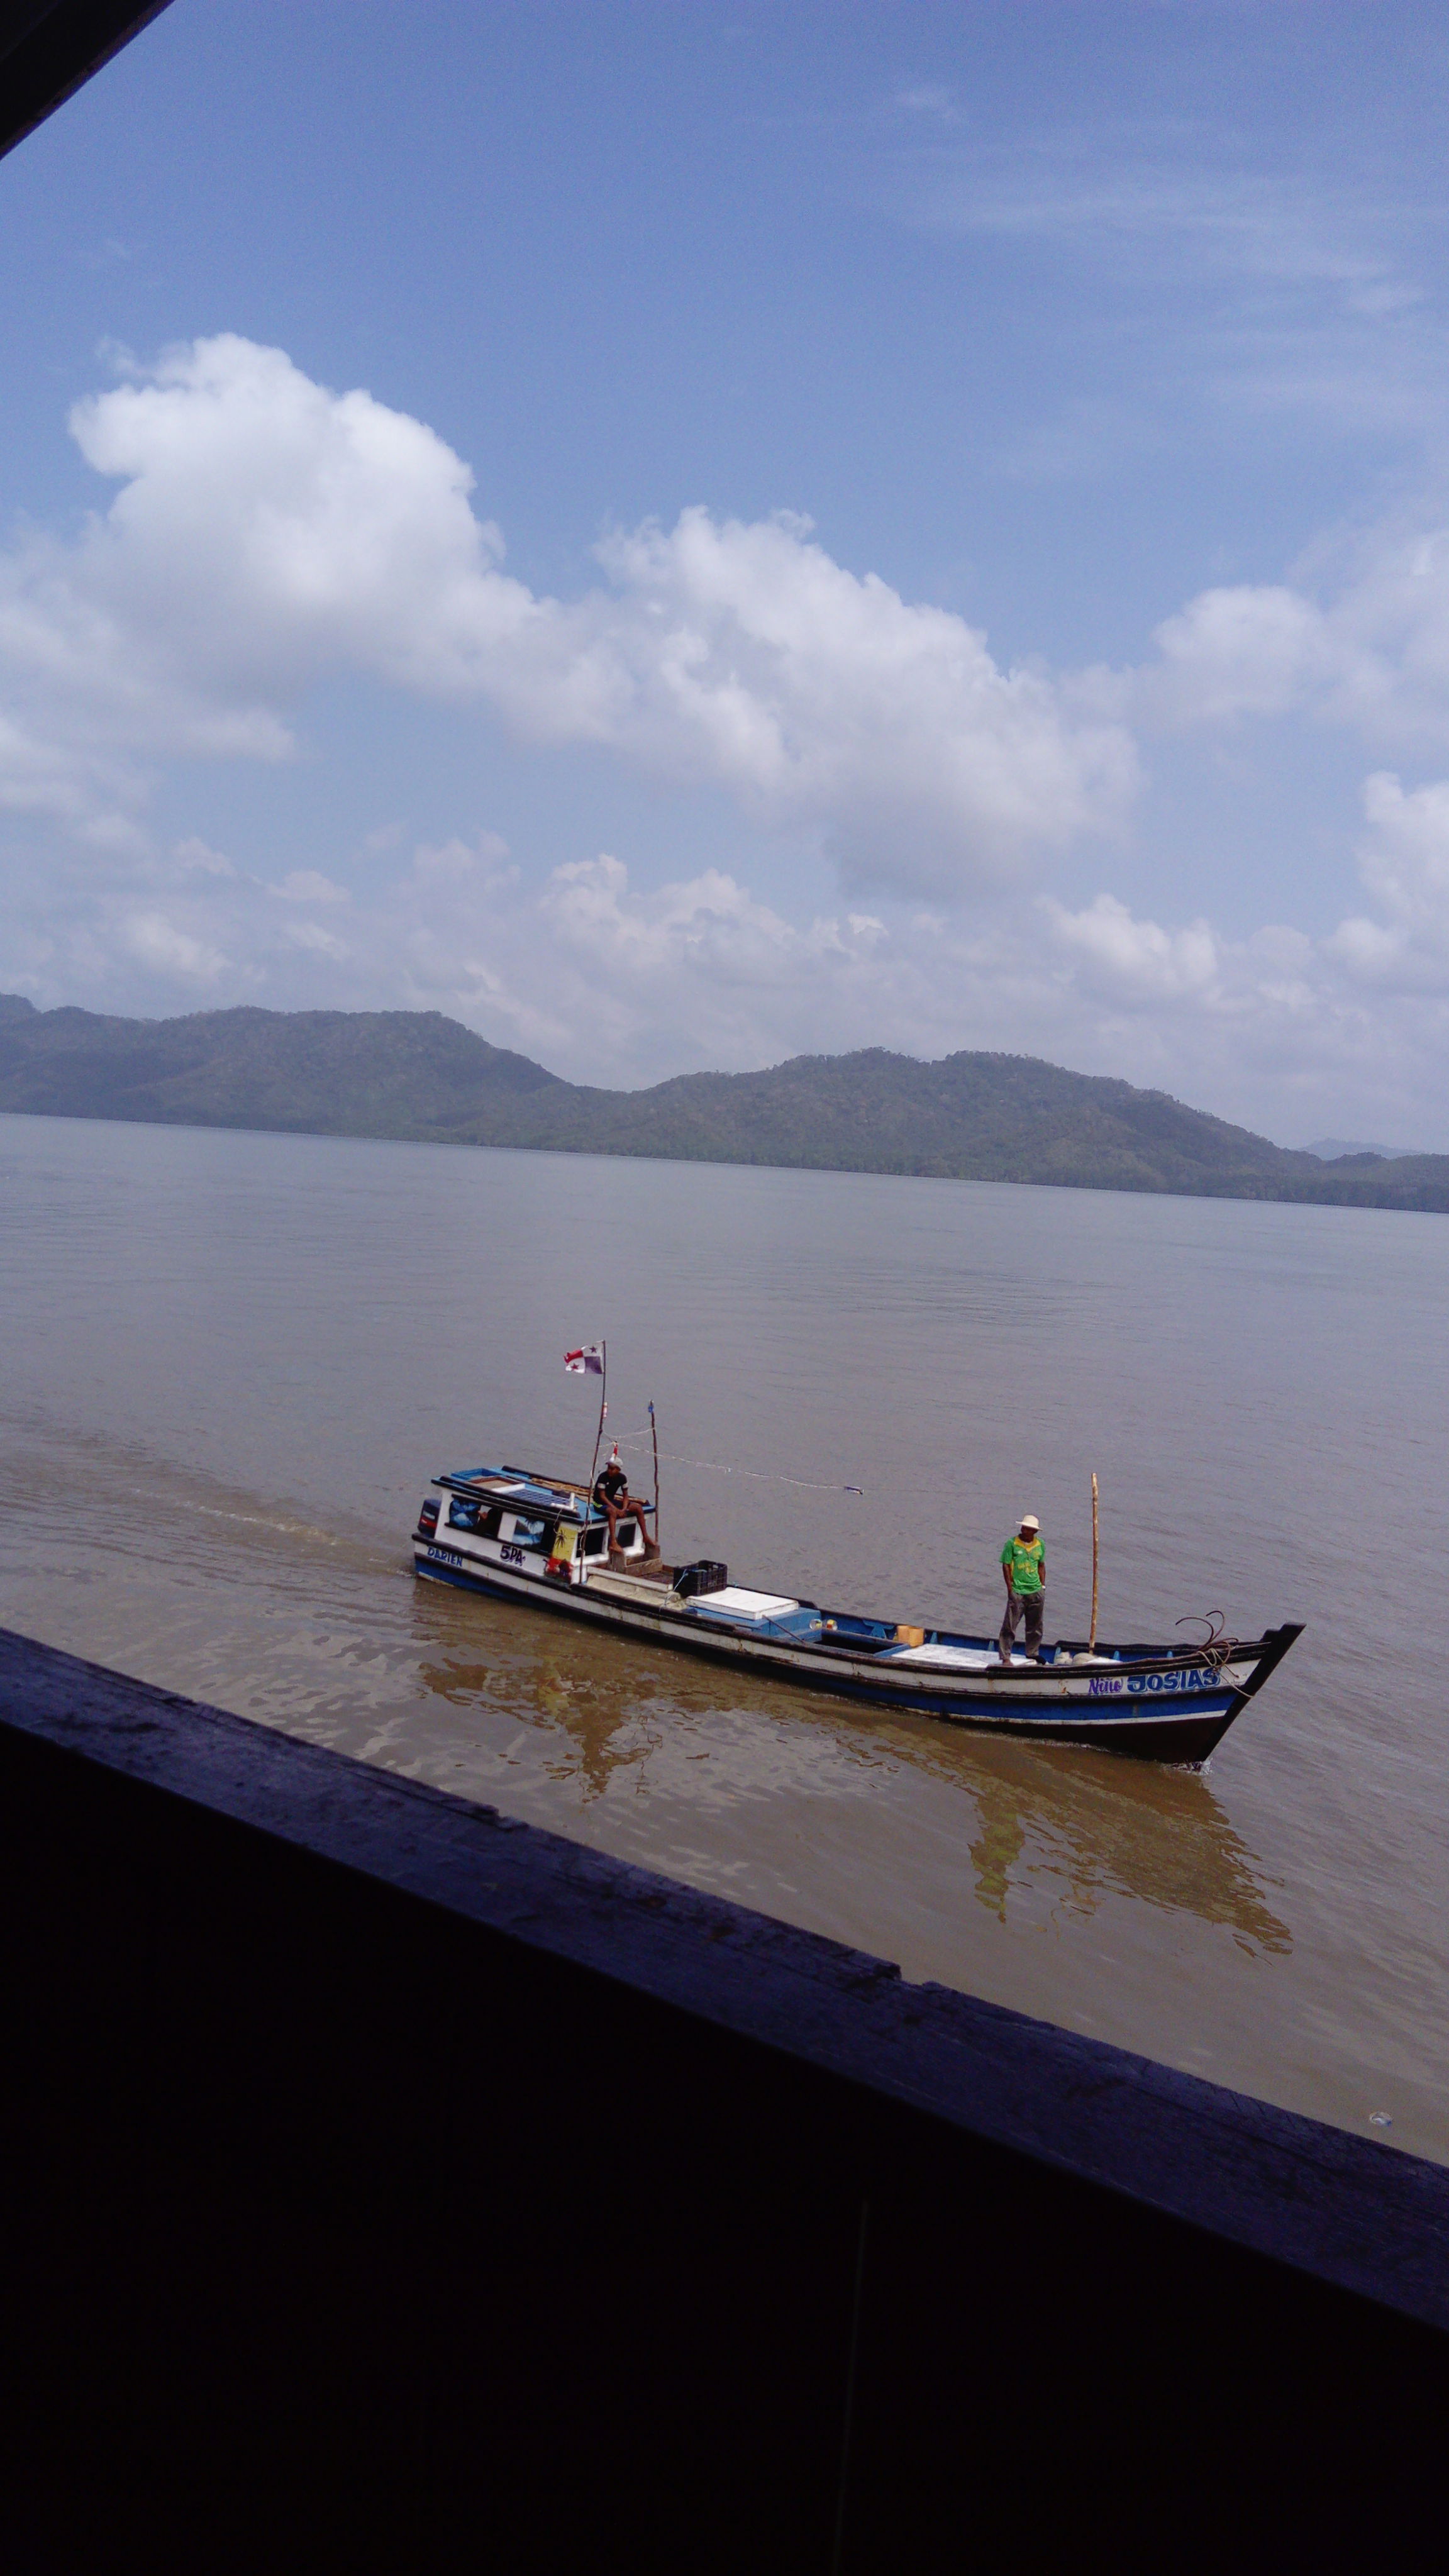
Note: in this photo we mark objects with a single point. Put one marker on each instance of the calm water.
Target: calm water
(232, 1362)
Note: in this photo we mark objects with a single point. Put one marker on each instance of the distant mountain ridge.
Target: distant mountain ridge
(1336, 1149)
(420, 1077)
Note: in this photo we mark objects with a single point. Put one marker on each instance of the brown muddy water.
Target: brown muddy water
(232, 1362)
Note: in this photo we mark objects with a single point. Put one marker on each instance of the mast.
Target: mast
(603, 1411)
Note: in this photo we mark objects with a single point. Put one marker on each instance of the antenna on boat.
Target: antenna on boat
(603, 1413)
(654, 1427)
(1092, 1639)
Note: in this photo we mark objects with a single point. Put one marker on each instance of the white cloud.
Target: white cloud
(157, 943)
(44, 775)
(1133, 961)
(748, 656)
(1361, 641)
(1359, 1015)
(269, 532)
(1404, 864)
(931, 99)
(1229, 293)
(193, 857)
(308, 885)
(268, 529)
(604, 979)
(484, 862)
(1243, 651)
(1174, 213)
(608, 981)
(711, 925)
(310, 936)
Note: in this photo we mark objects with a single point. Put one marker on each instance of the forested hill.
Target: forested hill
(417, 1075)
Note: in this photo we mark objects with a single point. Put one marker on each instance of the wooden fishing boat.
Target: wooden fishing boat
(520, 1536)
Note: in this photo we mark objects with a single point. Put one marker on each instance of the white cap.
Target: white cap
(1028, 1520)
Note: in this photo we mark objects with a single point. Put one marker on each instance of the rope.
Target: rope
(1217, 1646)
(756, 1475)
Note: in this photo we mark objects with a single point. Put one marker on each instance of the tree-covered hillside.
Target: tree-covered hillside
(420, 1076)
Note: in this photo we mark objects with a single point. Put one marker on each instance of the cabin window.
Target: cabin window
(530, 1531)
(462, 1515)
(466, 1513)
(595, 1542)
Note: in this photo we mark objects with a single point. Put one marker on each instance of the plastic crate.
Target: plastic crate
(705, 1575)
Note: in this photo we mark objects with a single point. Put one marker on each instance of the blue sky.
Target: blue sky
(682, 538)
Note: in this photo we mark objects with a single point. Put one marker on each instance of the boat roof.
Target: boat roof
(523, 1487)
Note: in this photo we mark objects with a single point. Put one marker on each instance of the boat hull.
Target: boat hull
(1164, 1708)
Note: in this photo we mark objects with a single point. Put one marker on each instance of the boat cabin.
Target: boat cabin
(536, 1524)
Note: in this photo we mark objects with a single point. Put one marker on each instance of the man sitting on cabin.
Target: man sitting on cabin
(1023, 1568)
(611, 1493)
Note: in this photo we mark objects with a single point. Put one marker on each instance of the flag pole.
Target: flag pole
(1092, 1640)
(654, 1427)
(603, 1409)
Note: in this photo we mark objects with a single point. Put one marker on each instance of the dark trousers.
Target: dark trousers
(1032, 1607)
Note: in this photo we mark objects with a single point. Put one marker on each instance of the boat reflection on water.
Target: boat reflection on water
(1076, 1826)
(1165, 1840)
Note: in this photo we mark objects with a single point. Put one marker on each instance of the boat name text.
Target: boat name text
(1195, 1678)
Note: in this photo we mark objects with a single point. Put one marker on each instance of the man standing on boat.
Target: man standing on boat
(1023, 1569)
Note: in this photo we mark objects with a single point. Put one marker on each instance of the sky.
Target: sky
(687, 537)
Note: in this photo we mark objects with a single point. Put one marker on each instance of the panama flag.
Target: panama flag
(589, 1362)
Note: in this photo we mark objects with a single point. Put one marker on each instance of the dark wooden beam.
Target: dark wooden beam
(50, 48)
(393, 2185)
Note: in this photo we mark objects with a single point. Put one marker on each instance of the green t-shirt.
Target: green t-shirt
(1025, 1562)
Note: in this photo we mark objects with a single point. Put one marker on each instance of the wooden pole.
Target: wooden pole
(603, 1410)
(1092, 1639)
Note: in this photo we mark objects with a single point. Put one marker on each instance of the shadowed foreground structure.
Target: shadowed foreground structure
(395, 2187)
(50, 48)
